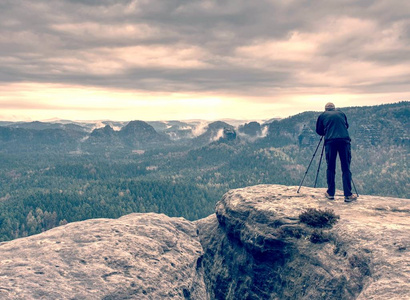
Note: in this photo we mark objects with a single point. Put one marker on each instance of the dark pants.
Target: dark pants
(343, 148)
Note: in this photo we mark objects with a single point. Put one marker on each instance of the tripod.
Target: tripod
(318, 168)
(314, 154)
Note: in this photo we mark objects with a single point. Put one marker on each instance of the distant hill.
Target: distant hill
(372, 126)
(214, 131)
(16, 140)
(42, 126)
(181, 168)
(386, 124)
(251, 129)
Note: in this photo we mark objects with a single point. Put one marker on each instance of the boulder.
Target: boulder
(139, 256)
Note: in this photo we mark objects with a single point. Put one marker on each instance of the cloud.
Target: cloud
(219, 134)
(267, 48)
(200, 128)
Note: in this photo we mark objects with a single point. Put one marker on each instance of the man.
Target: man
(332, 124)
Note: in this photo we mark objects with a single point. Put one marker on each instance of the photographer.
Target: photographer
(333, 125)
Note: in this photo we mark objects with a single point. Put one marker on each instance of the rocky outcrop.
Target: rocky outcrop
(251, 129)
(139, 256)
(102, 133)
(256, 246)
(214, 132)
(229, 134)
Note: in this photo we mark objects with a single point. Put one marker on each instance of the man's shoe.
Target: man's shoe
(351, 198)
(329, 197)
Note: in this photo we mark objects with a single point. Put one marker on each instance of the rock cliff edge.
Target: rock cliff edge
(256, 246)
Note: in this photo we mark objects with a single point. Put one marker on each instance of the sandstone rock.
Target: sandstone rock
(139, 256)
(254, 247)
(257, 248)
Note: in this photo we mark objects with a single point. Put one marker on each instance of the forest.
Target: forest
(52, 174)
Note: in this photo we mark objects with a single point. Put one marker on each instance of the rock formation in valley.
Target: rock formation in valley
(256, 246)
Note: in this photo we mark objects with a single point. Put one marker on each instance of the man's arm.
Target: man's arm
(347, 124)
(320, 130)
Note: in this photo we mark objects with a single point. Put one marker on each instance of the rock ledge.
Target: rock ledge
(139, 256)
(257, 246)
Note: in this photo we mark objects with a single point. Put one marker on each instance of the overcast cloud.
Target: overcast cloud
(232, 47)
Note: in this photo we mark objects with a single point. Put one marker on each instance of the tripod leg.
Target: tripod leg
(317, 147)
(320, 162)
(355, 188)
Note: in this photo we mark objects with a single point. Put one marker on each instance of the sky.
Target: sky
(199, 59)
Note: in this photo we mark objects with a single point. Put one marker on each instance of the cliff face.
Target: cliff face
(254, 247)
(257, 248)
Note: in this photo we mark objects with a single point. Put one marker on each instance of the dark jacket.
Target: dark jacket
(333, 125)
